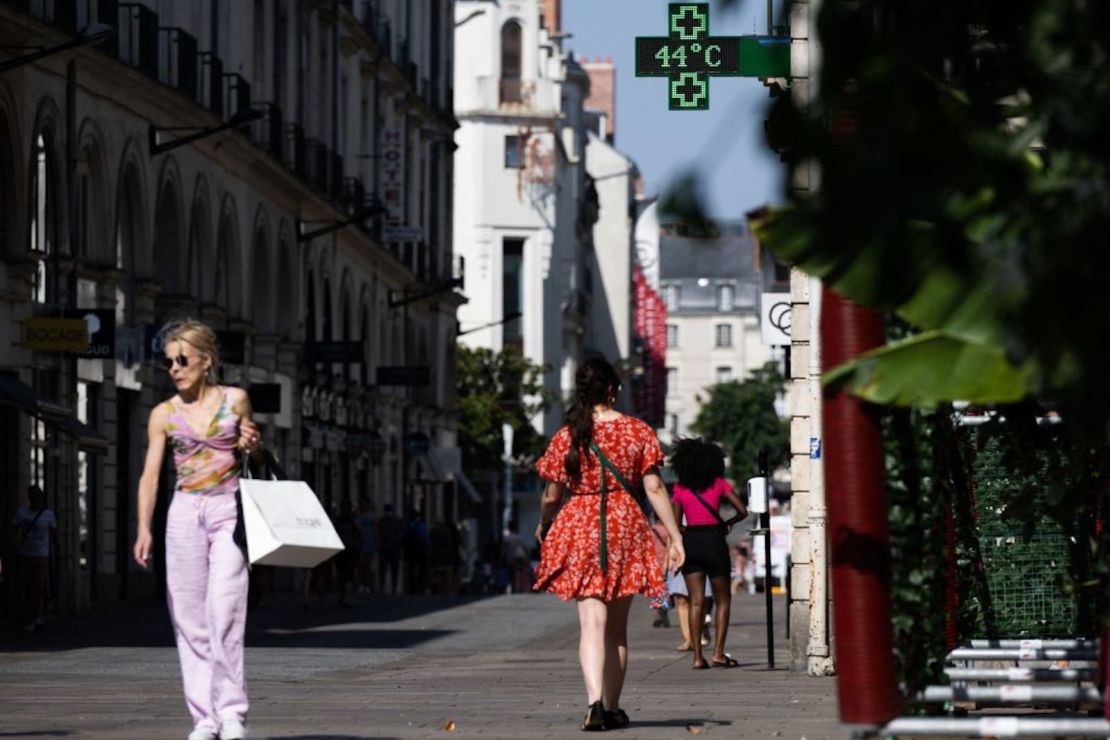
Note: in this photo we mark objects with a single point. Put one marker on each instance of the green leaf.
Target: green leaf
(932, 368)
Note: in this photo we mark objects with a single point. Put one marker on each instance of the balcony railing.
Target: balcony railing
(212, 82)
(335, 176)
(385, 38)
(369, 18)
(178, 64)
(237, 94)
(295, 153)
(269, 132)
(354, 195)
(137, 33)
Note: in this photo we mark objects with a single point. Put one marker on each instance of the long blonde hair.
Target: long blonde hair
(197, 335)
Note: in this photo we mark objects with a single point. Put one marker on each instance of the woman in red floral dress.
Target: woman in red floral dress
(599, 550)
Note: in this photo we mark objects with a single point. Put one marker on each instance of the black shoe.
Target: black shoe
(595, 718)
(616, 719)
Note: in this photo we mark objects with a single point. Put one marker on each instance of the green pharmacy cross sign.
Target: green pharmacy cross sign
(689, 56)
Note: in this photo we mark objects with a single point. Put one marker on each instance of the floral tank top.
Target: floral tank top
(206, 463)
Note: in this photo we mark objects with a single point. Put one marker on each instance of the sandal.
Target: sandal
(616, 719)
(728, 662)
(684, 647)
(595, 718)
(701, 666)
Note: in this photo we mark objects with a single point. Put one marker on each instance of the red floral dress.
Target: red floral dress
(570, 556)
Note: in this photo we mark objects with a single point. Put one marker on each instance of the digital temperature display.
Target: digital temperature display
(662, 57)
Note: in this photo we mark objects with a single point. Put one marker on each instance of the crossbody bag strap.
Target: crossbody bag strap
(603, 555)
(710, 509)
(27, 528)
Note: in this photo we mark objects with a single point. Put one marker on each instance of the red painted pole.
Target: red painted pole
(859, 534)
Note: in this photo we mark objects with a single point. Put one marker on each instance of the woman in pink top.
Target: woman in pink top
(205, 426)
(700, 467)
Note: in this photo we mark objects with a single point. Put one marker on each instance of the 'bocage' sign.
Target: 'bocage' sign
(87, 333)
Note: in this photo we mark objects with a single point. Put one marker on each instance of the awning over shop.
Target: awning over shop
(16, 393)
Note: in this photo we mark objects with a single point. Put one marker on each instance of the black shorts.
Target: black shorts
(706, 551)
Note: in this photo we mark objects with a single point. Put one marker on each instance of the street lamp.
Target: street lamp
(92, 34)
(304, 234)
(196, 133)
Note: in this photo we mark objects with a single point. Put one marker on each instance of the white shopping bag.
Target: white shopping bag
(286, 524)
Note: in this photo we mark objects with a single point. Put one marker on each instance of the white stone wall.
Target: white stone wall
(696, 358)
(809, 598)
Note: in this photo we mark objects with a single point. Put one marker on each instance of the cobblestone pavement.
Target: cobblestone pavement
(407, 667)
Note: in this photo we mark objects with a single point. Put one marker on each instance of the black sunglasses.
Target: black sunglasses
(181, 360)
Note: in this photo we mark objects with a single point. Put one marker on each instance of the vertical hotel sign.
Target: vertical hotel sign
(393, 174)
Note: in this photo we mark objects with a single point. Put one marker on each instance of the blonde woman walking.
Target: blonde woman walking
(205, 426)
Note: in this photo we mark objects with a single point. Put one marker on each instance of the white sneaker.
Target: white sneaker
(201, 733)
(232, 729)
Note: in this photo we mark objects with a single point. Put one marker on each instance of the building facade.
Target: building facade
(518, 217)
(312, 228)
(711, 288)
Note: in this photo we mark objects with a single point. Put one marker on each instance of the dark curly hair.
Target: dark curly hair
(697, 463)
(595, 382)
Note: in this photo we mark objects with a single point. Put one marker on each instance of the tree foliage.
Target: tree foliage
(963, 185)
(495, 388)
(740, 416)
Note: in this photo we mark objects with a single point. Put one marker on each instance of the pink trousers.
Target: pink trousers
(207, 579)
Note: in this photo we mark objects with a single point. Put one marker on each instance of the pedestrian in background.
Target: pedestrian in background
(514, 553)
(444, 557)
(205, 426)
(36, 536)
(415, 544)
(390, 531)
(368, 527)
(598, 549)
(662, 541)
(346, 562)
(700, 468)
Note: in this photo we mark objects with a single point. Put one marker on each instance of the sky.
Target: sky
(725, 143)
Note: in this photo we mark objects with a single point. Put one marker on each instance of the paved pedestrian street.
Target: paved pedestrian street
(407, 667)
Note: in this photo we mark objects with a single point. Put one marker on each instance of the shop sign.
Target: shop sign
(329, 352)
(55, 335)
(102, 332)
(393, 173)
(404, 375)
(774, 319)
(402, 234)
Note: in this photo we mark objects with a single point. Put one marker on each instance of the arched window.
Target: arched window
(226, 281)
(511, 62)
(348, 371)
(364, 337)
(167, 240)
(42, 219)
(261, 305)
(127, 242)
(193, 256)
(310, 309)
(326, 329)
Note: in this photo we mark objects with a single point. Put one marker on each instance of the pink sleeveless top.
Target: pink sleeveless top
(205, 463)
